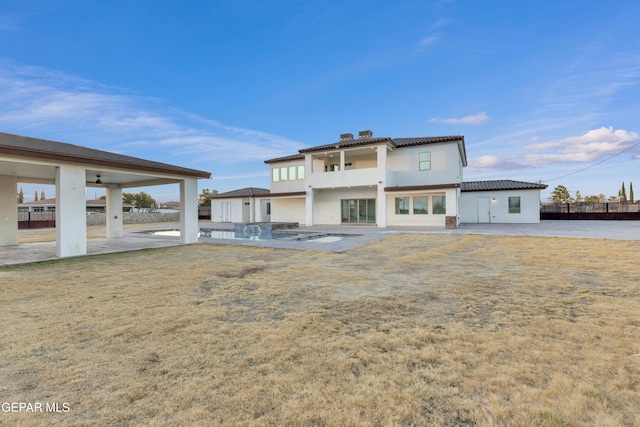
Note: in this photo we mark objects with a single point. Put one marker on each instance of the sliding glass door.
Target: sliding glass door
(359, 211)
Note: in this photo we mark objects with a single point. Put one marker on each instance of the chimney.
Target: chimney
(365, 134)
(346, 136)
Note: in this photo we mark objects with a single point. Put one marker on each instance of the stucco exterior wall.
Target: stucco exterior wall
(446, 167)
(288, 210)
(499, 206)
(327, 208)
(426, 220)
(288, 185)
(238, 210)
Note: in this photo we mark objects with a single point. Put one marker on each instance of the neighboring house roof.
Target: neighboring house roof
(243, 192)
(501, 184)
(392, 142)
(170, 205)
(34, 148)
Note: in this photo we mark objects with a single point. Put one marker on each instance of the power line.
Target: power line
(595, 164)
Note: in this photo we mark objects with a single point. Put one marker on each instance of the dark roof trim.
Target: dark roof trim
(242, 193)
(286, 158)
(33, 148)
(421, 187)
(291, 194)
(501, 185)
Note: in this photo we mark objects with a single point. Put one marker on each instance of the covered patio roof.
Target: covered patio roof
(34, 160)
(73, 168)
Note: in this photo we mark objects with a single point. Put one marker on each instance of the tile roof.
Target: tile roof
(243, 192)
(501, 184)
(34, 148)
(346, 143)
(286, 158)
(393, 142)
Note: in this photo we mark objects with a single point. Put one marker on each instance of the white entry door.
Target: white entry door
(226, 211)
(484, 209)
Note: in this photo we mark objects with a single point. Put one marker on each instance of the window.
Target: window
(276, 174)
(420, 205)
(283, 174)
(514, 204)
(424, 160)
(402, 205)
(292, 173)
(268, 208)
(439, 204)
(301, 172)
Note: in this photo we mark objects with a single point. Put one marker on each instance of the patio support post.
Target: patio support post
(189, 211)
(309, 207)
(114, 211)
(8, 210)
(381, 202)
(71, 211)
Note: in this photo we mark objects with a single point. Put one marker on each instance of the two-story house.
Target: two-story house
(383, 181)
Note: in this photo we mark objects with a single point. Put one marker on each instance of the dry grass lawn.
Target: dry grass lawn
(417, 329)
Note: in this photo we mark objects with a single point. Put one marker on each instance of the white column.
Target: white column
(252, 209)
(189, 211)
(342, 160)
(114, 211)
(309, 207)
(381, 207)
(8, 211)
(71, 211)
(381, 202)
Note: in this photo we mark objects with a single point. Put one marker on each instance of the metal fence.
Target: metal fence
(592, 207)
(36, 219)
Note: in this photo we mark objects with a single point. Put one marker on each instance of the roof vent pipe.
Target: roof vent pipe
(365, 134)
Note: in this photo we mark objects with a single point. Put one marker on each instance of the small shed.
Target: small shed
(249, 204)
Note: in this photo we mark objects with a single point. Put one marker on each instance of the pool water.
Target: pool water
(253, 235)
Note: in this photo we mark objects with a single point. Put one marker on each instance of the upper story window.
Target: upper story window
(287, 173)
(424, 161)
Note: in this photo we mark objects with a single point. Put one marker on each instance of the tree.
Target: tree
(42, 195)
(622, 194)
(578, 197)
(592, 199)
(560, 195)
(631, 192)
(20, 196)
(35, 196)
(203, 198)
(141, 200)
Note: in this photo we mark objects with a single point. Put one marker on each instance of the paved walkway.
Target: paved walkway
(360, 235)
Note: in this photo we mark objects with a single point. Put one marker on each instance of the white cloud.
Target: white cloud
(474, 119)
(51, 105)
(429, 40)
(592, 146)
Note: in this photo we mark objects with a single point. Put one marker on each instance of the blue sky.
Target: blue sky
(540, 89)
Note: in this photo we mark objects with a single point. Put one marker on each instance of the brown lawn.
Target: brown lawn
(417, 329)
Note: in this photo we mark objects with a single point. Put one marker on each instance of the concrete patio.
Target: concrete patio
(136, 240)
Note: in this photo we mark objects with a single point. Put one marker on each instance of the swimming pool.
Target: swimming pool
(251, 234)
